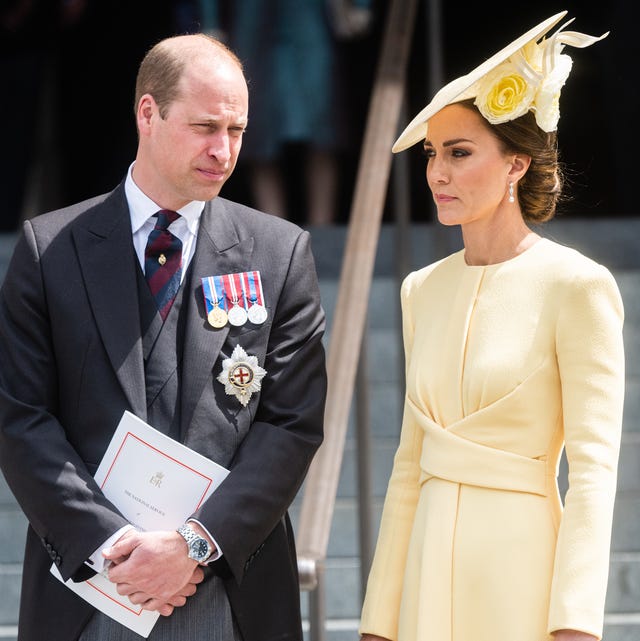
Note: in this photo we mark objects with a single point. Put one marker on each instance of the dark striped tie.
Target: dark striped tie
(163, 262)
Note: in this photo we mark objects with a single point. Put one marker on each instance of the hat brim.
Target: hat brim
(459, 89)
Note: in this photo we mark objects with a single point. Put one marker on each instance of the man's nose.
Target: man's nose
(220, 149)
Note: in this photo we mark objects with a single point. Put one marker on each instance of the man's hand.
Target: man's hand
(153, 569)
(176, 601)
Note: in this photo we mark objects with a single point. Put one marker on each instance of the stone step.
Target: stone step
(610, 241)
(343, 537)
(626, 523)
(335, 629)
(6, 497)
(622, 627)
(623, 595)
(13, 527)
(8, 632)
(10, 577)
(343, 589)
(616, 628)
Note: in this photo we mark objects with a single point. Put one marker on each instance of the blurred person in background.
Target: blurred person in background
(292, 56)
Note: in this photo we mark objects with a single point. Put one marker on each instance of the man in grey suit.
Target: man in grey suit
(105, 308)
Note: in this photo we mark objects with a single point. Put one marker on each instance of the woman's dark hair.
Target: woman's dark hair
(541, 187)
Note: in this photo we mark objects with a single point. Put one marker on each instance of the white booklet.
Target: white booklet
(156, 483)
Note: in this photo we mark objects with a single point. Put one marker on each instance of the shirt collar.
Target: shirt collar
(141, 207)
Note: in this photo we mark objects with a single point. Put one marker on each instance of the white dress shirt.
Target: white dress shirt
(142, 211)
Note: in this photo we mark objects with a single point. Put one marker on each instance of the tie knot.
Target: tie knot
(165, 218)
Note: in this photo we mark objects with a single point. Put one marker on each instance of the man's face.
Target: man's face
(191, 153)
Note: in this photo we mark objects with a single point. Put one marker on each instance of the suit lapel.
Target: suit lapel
(107, 259)
(219, 250)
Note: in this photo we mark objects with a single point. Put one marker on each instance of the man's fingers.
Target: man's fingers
(177, 601)
(155, 605)
(165, 609)
(126, 589)
(197, 576)
(122, 548)
(188, 590)
(142, 598)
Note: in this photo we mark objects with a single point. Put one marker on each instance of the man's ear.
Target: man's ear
(147, 107)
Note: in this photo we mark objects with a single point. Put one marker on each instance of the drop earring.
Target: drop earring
(511, 196)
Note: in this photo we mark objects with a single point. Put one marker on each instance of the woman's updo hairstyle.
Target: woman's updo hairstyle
(541, 187)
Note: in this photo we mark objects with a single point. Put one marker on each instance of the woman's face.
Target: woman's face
(467, 171)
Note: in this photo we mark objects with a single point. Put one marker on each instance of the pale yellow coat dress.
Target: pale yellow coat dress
(504, 363)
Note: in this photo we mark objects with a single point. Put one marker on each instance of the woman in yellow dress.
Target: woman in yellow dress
(513, 350)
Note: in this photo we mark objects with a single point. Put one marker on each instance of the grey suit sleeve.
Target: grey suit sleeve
(47, 476)
(272, 460)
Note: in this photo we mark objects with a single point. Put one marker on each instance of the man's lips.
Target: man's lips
(214, 174)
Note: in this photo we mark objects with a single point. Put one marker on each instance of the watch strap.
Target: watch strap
(192, 537)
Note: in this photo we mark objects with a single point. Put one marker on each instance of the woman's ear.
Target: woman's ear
(519, 166)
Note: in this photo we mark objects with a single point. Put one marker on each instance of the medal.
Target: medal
(257, 311)
(257, 314)
(212, 289)
(237, 314)
(217, 317)
(241, 375)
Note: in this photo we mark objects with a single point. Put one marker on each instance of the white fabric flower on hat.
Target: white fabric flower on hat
(547, 100)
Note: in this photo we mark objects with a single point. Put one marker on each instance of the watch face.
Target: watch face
(199, 549)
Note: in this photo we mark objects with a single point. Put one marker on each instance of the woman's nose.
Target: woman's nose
(436, 171)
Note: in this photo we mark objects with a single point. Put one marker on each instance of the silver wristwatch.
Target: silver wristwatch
(199, 548)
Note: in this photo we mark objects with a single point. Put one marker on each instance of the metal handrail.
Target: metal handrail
(355, 281)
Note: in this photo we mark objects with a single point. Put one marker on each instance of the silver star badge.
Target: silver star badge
(241, 375)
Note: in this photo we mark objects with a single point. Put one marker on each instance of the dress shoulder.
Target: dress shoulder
(572, 271)
(415, 279)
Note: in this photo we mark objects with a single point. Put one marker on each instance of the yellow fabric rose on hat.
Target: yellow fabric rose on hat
(504, 94)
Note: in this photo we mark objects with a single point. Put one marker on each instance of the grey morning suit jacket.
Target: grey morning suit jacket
(71, 363)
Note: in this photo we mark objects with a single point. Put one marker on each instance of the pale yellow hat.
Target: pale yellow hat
(526, 75)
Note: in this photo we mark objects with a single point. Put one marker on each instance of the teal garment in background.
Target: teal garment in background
(292, 64)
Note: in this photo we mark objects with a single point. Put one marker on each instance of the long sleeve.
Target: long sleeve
(38, 459)
(591, 365)
(381, 609)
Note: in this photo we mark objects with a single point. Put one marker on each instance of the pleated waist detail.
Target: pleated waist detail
(451, 457)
